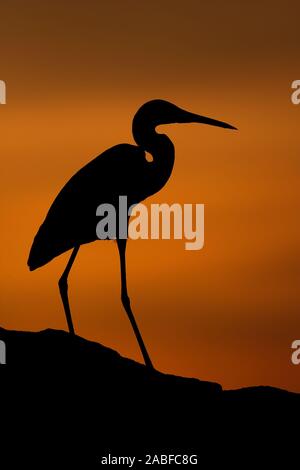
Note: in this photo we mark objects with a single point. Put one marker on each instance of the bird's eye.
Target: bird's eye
(148, 157)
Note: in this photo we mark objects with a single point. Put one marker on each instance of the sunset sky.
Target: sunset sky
(75, 74)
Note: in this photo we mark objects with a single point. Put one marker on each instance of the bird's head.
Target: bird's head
(157, 112)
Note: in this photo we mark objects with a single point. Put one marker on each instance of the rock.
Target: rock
(76, 400)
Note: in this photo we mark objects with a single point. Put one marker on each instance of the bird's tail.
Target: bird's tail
(44, 248)
(39, 254)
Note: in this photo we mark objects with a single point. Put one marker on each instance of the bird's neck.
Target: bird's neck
(162, 150)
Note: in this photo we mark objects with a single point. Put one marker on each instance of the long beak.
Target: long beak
(191, 117)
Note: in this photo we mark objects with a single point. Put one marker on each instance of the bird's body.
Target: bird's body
(122, 170)
(72, 220)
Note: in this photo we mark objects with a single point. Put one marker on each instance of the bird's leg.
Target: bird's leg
(63, 289)
(126, 302)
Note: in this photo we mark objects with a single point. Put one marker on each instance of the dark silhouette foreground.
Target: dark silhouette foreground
(75, 400)
(122, 170)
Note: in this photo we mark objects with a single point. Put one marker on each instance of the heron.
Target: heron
(124, 169)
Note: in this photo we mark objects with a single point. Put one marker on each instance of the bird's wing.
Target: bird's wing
(71, 219)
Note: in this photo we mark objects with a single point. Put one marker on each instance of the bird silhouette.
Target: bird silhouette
(122, 170)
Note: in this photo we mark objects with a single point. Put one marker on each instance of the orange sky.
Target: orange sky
(75, 74)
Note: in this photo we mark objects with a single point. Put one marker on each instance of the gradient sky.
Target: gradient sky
(76, 73)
